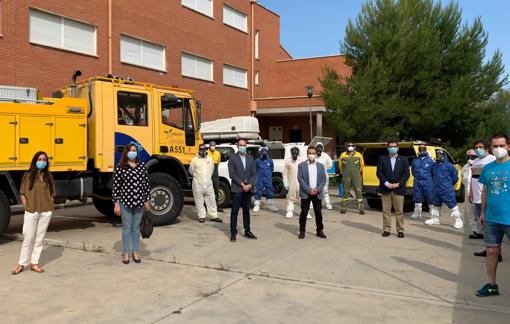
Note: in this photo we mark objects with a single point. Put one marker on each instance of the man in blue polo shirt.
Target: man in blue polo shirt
(495, 215)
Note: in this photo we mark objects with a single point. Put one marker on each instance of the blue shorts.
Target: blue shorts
(494, 232)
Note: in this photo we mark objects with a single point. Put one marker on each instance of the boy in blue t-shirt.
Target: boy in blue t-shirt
(495, 216)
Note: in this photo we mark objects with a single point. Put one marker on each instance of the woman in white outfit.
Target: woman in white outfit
(37, 191)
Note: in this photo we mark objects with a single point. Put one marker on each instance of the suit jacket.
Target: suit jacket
(399, 175)
(239, 174)
(304, 179)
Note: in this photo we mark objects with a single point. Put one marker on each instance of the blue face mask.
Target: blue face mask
(393, 150)
(132, 155)
(41, 164)
(480, 152)
(242, 149)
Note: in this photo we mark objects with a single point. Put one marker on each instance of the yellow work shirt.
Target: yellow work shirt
(215, 156)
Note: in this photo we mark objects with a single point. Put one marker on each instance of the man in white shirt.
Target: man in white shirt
(201, 169)
(475, 190)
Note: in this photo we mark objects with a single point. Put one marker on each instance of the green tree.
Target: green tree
(417, 73)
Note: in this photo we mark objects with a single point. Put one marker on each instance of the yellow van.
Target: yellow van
(373, 151)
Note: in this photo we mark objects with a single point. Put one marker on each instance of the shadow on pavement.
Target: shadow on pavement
(117, 247)
(428, 268)
(438, 229)
(51, 253)
(291, 228)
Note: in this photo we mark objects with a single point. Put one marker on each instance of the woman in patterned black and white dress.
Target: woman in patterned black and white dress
(131, 196)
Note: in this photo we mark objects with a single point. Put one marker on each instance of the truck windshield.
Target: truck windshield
(172, 113)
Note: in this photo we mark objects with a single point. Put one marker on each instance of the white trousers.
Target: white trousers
(205, 194)
(34, 229)
(325, 192)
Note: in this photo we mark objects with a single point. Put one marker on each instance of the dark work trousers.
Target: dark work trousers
(216, 182)
(317, 208)
(240, 200)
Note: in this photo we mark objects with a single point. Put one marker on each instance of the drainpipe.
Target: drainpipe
(253, 103)
(110, 57)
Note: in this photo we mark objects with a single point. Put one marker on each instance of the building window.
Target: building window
(132, 109)
(1, 18)
(257, 45)
(63, 33)
(142, 53)
(235, 18)
(197, 67)
(257, 76)
(203, 6)
(235, 76)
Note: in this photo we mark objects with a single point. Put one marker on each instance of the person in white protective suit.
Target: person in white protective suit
(290, 181)
(325, 159)
(201, 169)
(469, 208)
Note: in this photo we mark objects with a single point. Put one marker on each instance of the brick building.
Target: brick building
(228, 51)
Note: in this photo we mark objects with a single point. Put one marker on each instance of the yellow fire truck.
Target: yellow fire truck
(84, 129)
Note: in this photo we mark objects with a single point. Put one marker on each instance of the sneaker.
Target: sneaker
(476, 236)
(256, 208)
(343, 210)
(458, 224)
(416, 216)
(432, 221)
(289, 214)
(488, 290)
(329, 206)
(201, 220)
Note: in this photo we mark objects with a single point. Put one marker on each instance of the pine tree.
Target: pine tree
(417, 73)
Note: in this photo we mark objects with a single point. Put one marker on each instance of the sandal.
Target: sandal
(36, 268)
(124, 259)
(19, 269)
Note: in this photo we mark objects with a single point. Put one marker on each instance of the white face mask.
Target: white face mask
(311, 157)
(350, 148)
(500, 153)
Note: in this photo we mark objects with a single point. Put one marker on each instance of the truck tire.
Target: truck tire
(166, 198)
(5, 212)
(278, 187)
(224, 198)
(105, 207)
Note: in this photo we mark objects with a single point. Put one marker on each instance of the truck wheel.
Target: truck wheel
(5, 212)
(166, 198)
(223, 195)
(278, 187)
(105, 207)
(374, 203)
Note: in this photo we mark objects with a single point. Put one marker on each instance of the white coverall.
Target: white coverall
(328, 163)
(201, 169)
(290, 181)
(469, 207)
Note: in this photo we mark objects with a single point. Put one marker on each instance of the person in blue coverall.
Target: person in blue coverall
(422, 173)
(265, 167)
(444, 177)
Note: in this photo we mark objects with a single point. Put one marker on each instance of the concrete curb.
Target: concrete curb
(82, 246)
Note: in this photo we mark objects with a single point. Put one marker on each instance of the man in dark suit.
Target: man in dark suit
(393, 173)
(312, 179)
(242, 172)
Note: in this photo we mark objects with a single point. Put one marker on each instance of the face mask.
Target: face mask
(480, 152)
(41, 164)
(350, 148)
(311, 157)
(242, 149)
(393, 150)
(295, 156)
(132, 155)
(212, 148)
(202, 153)
(319, 152)
(423, 153)
(500, 152)
(263, 155)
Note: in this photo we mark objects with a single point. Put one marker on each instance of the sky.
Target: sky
(316, 27)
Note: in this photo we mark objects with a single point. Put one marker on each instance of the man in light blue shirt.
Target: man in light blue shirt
(495, 215)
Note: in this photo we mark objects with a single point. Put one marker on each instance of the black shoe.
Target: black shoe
(201, 220)
(343, 210)
(400, 234)
(385, 234)
(321, 235)
(125, 261)
(482, 254)
(217, 220)
(301, 235)
(136, 260)
(232, 238)
(220, 210)
(362, 212)
(250, 235)
(476, 236)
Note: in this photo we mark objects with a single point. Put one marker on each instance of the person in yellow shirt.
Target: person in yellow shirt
(351, 167)
(216, 157)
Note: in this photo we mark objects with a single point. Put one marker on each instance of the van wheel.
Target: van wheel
(166, 198)
(5, 212)
(374, 203)
(224, 198)
(278, 187)
(105, 207)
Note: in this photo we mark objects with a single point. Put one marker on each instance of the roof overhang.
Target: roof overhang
(289, 111)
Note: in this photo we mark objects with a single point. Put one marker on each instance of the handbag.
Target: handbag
(146, 226)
